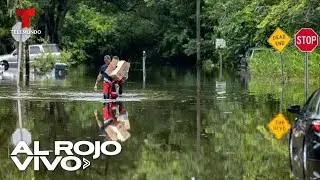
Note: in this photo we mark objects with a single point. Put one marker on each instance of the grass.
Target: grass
(267, 64)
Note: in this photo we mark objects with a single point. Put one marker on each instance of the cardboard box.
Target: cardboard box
(126, 74)
(121, 70)
(123, 118)
(117, 132)
(111, 133)
(112, 66)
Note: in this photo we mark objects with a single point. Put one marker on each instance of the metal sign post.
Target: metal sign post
(282, 83)
(279, 40)
(20, 134)
(19, 60)
(220, 44)
(144, 68)
(306, 40)
(18, 84)
(220, 56)
(306, 76)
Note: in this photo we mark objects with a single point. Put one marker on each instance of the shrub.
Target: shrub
(44, 63)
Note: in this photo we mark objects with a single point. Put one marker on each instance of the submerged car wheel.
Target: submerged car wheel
(296, 154)
(5, 64)
(304, 157)
(290, 150)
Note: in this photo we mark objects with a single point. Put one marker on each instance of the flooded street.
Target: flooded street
(235, 142)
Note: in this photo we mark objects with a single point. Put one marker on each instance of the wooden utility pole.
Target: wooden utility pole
(198, 32)
(198, 81)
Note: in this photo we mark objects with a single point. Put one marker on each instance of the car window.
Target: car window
(35, 50)
(312, 106)
(14, 51)
(51, 48)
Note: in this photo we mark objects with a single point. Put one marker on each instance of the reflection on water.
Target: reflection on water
(115, 122)
(164, 134)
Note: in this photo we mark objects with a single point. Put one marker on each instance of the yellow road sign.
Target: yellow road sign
(279, 39)
(279, 126)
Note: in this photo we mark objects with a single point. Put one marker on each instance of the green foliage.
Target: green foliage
(167, 28)
(207, 66)
(66, 57)
(246, 24)
(77, 71)
(84, 28)
(44, 63)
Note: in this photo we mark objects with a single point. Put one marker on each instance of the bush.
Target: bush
(44, 63)
(207, 66)
(65, 57)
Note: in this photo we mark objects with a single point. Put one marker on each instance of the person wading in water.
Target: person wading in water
(107, 80)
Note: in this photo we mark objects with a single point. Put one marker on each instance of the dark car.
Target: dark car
(304, 141)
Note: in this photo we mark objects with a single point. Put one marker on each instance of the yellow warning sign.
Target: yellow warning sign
(279, 126)
(279, 39)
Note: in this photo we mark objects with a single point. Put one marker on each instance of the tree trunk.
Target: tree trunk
(51, 21)
(59, 21)
(46, 27)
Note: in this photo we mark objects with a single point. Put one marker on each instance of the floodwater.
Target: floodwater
(234, 142)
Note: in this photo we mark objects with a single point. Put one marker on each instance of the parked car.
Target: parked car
(36, 50)
(304, 141)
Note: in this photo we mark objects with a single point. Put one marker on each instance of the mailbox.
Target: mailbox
(60, 70)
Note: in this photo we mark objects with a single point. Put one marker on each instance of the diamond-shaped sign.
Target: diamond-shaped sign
(16, 31)
(279, 126)
(279, 39)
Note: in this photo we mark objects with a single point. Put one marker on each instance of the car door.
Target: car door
(13, 59)
(300, 126)
(297, 136)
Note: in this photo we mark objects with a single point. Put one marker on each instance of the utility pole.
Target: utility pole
(198, 32)
(198, 81)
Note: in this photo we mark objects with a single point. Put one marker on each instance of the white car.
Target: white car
(36, 50)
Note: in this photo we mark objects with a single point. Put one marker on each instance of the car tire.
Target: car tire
(290, 150)
(6, 64)
(297, 166)
(304, 157)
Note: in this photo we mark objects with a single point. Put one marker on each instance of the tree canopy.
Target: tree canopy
(166, 28)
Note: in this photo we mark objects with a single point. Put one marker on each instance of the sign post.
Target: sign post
(20, 134)
(220, 44)
(279, 40)
(306, 40)
(20, 37)
(144, 68)
(279, 126)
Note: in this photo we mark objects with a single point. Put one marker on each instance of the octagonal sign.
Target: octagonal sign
(16, 31)
(306, 40)
(21, 134)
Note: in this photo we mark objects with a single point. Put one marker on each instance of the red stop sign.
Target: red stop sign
(306, 39)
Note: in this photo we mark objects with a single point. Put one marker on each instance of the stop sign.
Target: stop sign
(306, 39)
(17, 30)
